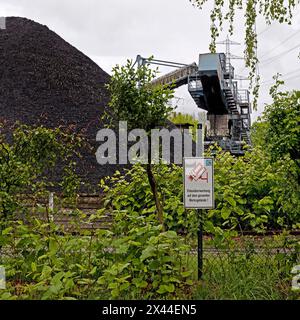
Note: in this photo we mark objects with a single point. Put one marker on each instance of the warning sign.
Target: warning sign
(198, 183)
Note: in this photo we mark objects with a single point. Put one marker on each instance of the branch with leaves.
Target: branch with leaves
(135, 100)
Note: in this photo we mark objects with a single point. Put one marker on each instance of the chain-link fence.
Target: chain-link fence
(250, 267)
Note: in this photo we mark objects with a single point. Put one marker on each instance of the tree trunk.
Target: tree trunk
(153, 186)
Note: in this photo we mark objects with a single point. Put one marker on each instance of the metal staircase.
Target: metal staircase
(246, 137)
(231, 101)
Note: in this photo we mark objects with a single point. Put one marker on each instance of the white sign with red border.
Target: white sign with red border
(198, 183)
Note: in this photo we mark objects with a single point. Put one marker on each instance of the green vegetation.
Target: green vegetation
(135, 100)
(179, 118)
(28, 162)
(139, 257)
(183, 118)
(261, 276)
(280, 129)
(136, 260)
(251, 193)
(44, 261)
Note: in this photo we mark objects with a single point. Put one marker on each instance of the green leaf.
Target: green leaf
(140, 283)
(162, 289)
(225, 213)
(154, 265)
(124, 286)
(33, 266)
(7, 231)
(147, 253)
(53, 246)
(166, 288)
(170, 287)
(186, 274)
(231, 201)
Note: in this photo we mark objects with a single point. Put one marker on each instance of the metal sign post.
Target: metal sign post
(200, 227)
(200, 246)
(199, 192)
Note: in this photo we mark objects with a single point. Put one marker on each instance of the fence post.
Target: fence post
(51, 205)
(200, 246)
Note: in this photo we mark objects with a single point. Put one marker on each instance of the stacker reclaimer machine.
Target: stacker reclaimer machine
(213, 86)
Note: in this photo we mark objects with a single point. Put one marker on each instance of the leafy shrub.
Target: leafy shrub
(44, 261)
(251, 193)
(131, 193)
(28, 161)
(149, 263)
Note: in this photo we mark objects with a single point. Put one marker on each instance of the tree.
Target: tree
(283, 124)
(143, 106)
(258, 133)
(27, 161)
(276, 135)
(185, 118)
(271, 10)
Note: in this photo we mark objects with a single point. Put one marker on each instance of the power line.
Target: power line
(264, 30)
(280, 44)
(270, 25)
(287, 79)
(284, 79)
(286, 74)
(274, 58)
(294, 77)
(291, 72)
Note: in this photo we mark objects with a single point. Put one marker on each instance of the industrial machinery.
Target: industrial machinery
(212, 85)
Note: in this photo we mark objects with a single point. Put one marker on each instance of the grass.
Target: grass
(240, 277)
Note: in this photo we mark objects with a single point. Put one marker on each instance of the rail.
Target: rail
(177, 77)
(243, 96)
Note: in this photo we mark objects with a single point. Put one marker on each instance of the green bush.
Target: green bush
(44, 261)
(148, 264)
(131, 193)
(27, 163)
(251, 193)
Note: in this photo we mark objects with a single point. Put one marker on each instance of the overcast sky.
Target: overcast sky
(110, 31)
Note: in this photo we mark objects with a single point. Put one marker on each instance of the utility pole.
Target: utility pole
(229, 56)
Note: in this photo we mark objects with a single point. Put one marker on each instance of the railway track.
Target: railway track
(78, 215)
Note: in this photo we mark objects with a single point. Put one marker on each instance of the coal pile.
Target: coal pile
(46, 81)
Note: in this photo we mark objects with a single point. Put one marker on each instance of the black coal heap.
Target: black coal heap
(46, 81)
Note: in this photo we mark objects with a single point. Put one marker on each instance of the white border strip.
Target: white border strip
(2, 278)
(2, 23)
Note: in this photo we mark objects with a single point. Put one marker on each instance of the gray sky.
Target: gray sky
(110, 31)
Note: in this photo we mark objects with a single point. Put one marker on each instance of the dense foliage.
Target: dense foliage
(257, 191)
(44, 261)
(135, 100)
(139, 259)
(251, 193)
(27, 162)
(280, 126)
